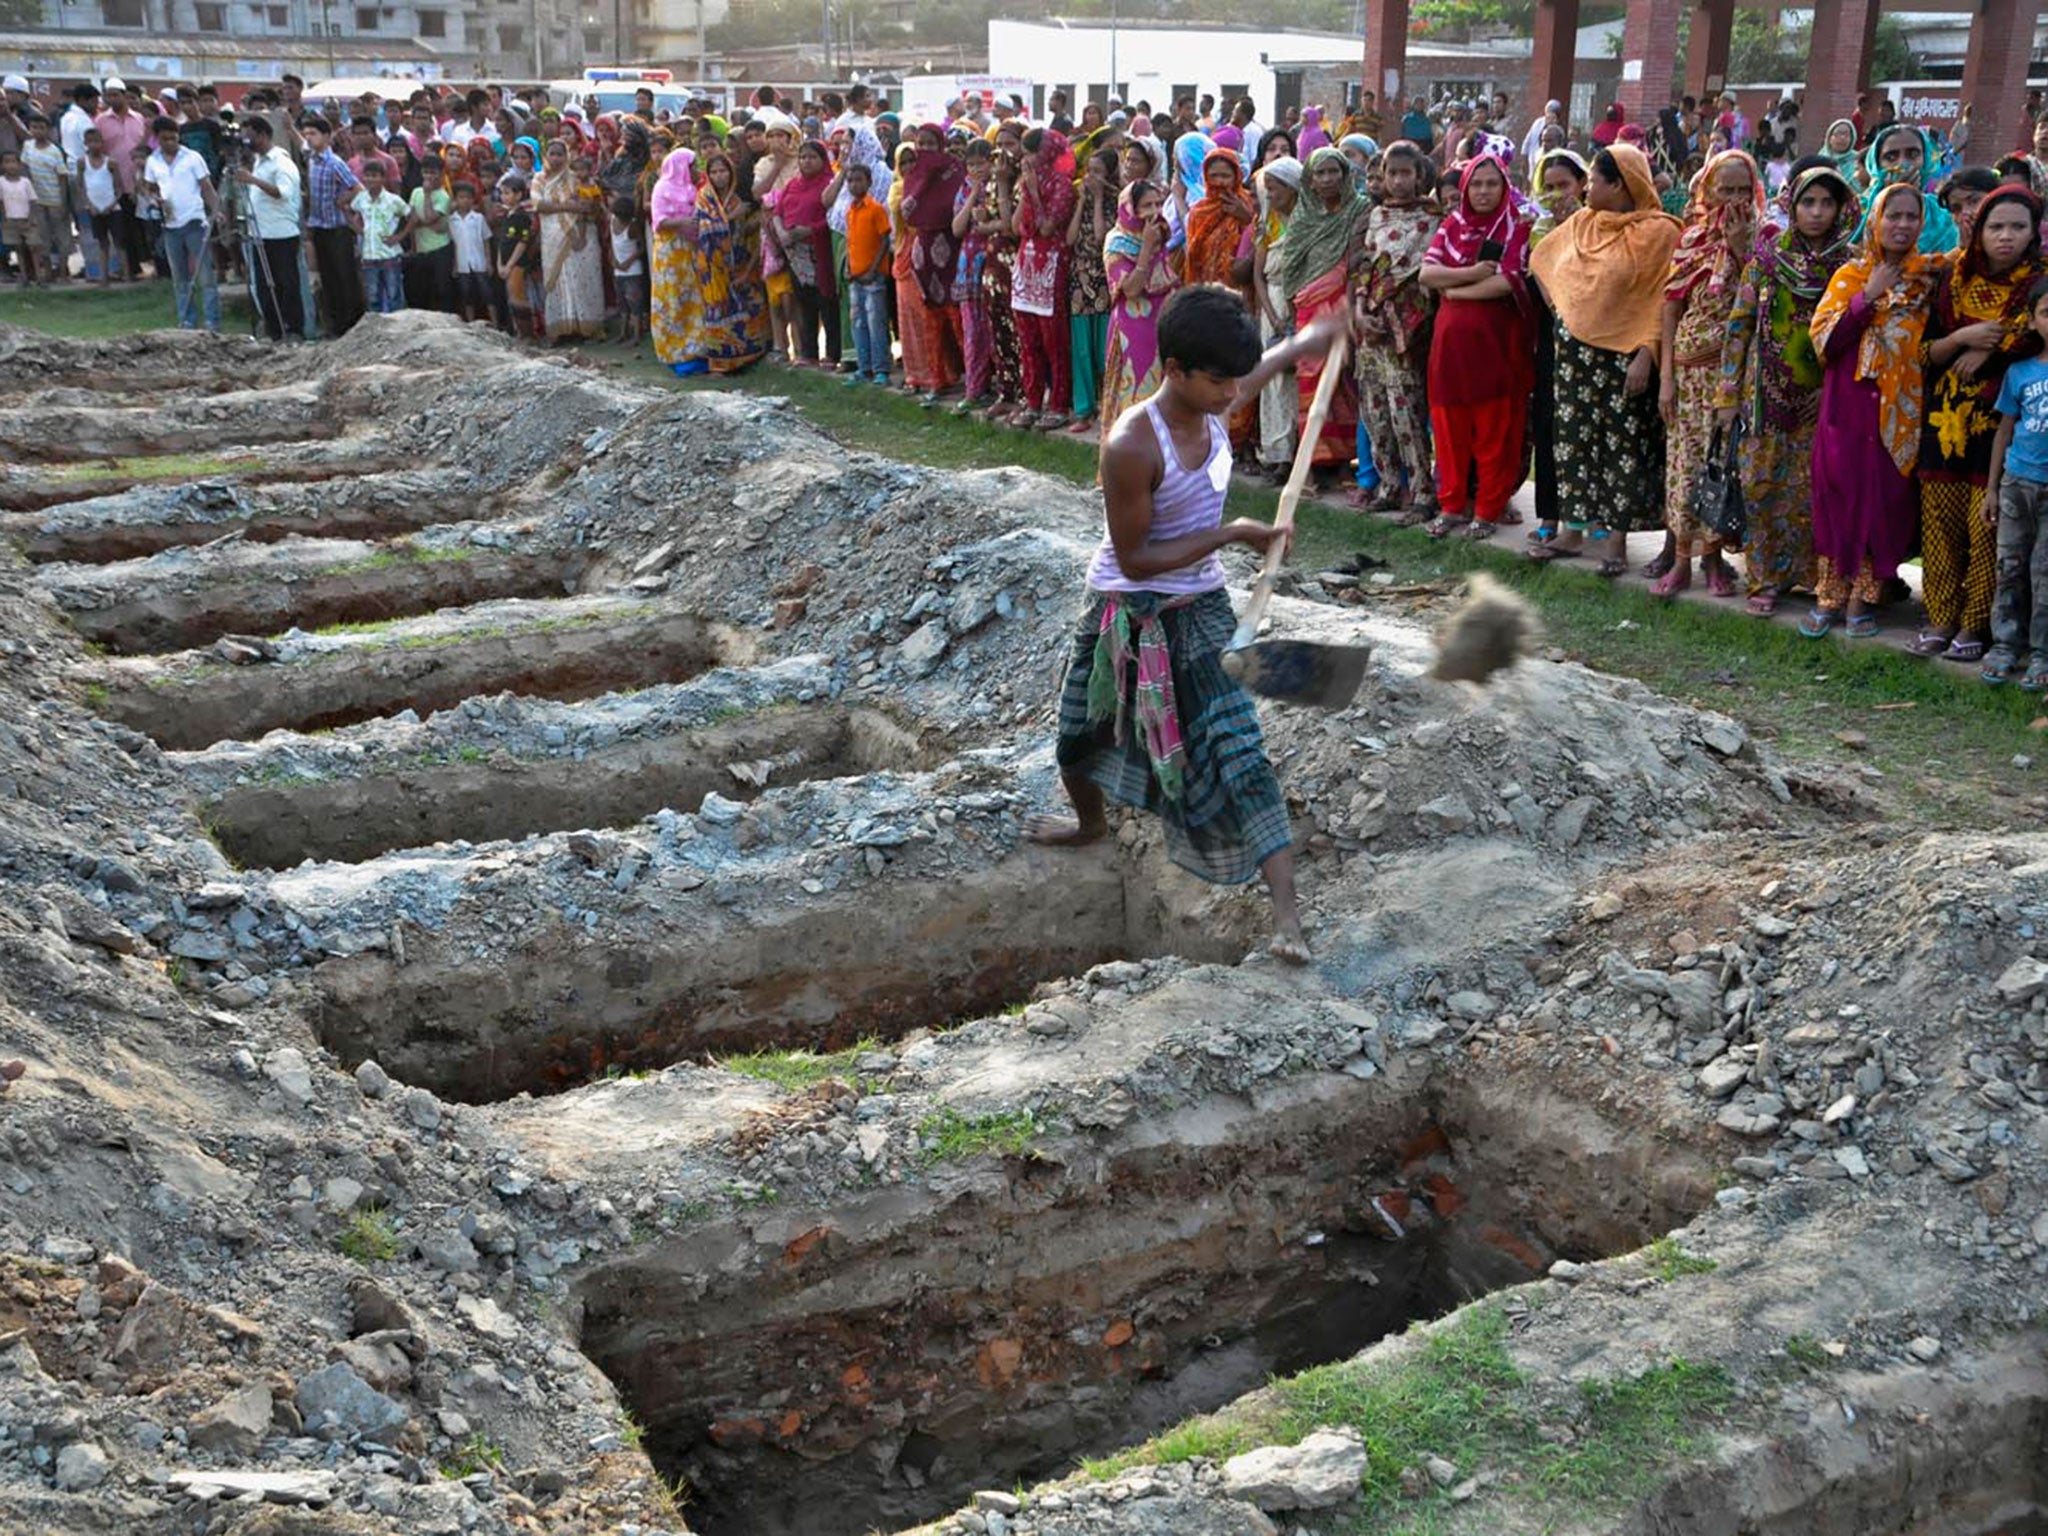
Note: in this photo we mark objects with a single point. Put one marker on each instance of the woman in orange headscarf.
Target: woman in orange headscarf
(1603, 273)
(1219, 250)
(1868, 328)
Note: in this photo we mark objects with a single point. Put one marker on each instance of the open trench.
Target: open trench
(473, 796)
(900, 1352)
(683, 975)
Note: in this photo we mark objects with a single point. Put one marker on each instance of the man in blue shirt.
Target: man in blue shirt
(2016, 500)
(330, 226)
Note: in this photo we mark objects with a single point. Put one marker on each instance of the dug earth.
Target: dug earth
(525, 1006)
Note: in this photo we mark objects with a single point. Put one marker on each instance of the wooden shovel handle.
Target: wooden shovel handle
(1290, 494)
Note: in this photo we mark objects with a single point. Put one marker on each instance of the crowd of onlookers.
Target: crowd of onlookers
(1819, 354)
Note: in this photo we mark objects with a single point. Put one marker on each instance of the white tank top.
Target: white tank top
(1187, 501)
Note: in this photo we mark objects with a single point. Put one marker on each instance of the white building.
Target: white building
(1159, 61)
(669, 33)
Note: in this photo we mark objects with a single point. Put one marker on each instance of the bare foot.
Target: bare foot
(1289, 945)
(1062, 831)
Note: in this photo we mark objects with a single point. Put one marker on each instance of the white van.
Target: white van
(617, 95)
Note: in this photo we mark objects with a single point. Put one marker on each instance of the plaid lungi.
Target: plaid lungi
(1228, 817)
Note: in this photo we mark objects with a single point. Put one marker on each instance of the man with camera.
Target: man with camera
(270, 181)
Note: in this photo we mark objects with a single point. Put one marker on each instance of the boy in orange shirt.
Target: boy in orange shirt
(867, 270)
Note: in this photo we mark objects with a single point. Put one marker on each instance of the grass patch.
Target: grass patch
(949, 1136)
(369, 1238)
(801, 1069)
(474, 1455)
(1668, 1261)
(1947, 758)
(1461, 1397)
(94, 313)
(96, 695)
(399, 554)
(162, 466)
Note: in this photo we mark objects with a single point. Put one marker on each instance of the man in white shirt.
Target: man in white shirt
(190, 209)
(478, 125)
(1532, 141)
(272, 180)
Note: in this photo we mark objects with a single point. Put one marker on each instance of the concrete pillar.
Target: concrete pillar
(1838, 64)
(1386, 55)
(1649, 58)
(1550, 70)
(1706, 58)
(1995, 75)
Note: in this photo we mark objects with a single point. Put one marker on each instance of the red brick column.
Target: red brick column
(1838, 63)
(1649, 57)
(1550, 70)
(1995, 75)
(1386, 48)
(1706, 56)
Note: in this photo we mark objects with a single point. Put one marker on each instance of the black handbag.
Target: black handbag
(1717, 494)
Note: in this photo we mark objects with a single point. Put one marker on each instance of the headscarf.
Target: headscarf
(1790, 273)
(1230, 137)
(1052, 179)
(1365, 146)
(1609, 128)
(1216, 224)
(1962, 410)
(1604, 272)
(675, 194)
(1888, 354)
(1393, 307)
(620, 176)
(1317, 237)
(1718, 237)
(1938, 232)
(1846, 162)
(863, 148)
(720, 128)
(931, 184)
(1190, 151)
(1547, 219)
(1464, 232)
(1141, 127)
(1313, 135)
(532, 148)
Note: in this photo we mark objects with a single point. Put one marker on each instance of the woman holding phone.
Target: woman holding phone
(1481, 352)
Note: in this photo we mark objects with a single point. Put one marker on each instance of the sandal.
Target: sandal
(1930, 642)
(1081, 426)
(1762, 605)
(1481, 531)
(1720, 579)
(1969, 652)
(1053, 422)
(1414, 517)
(1863, 626)
(1614, 569)
(1998, 664)
(1024, 421)
(1543, 554)
(1542, 533)
(1511, 518)
(1674, 581)
(2036, 680)
(970, 405)
(1659, 566)
(1446, 525)
(1819, 622)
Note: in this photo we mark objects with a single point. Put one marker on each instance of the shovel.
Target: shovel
(1296, 671)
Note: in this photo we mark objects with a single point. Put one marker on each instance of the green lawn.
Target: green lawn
(120, 310)
(1944, 742)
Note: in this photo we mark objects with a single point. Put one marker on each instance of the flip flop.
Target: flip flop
(1968, 652)
(1863, 626)
(1763, 605)
(1543, 554)
(1614, 569)
(2036, 680)
(1481, 530)
(1930, 642)
(1818, 622)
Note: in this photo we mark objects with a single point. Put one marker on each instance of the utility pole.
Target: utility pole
(828, 39)
(1114, 93)
(328, 27)
(618, 32)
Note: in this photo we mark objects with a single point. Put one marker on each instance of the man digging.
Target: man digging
(1148, 716)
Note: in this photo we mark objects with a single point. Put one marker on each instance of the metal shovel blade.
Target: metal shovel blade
(1300, 671)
